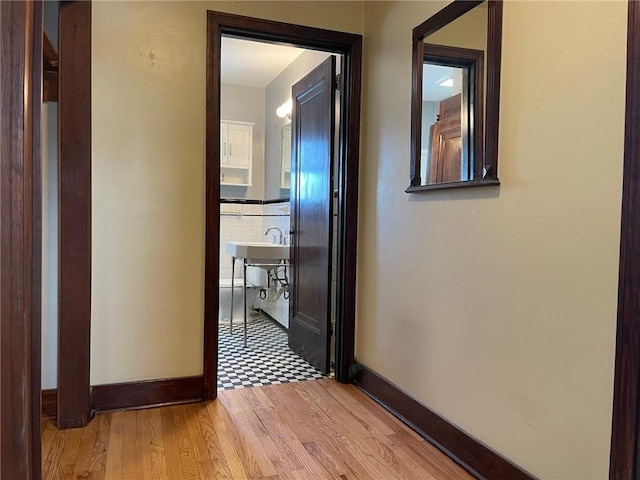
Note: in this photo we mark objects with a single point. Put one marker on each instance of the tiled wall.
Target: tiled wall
(238, 223)
(246, 223)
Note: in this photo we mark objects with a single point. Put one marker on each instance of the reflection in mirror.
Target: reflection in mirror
(441, 155)
(455, 97)
(451, 113)
(285, 154)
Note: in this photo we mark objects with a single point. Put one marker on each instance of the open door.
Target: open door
(446, 142)
(313, 126)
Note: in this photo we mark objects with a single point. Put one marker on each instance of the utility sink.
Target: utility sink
(258, 252)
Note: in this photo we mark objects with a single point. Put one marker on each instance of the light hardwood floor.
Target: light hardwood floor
(315, 429)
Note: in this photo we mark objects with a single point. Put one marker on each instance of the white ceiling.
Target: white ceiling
(431, 75)
(254, 64)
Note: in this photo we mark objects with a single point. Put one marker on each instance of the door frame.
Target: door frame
(74, 214)
(20, 238)
(625, 434)
(350, 46)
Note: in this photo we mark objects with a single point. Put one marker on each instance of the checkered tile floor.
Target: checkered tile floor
(267, 360)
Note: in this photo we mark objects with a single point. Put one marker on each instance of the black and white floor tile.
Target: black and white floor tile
(267, 359)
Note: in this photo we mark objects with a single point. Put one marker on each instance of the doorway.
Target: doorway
(345, 175)
(262, 346)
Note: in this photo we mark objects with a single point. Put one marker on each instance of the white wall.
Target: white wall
(148, 127)
(246, 104)
(238, 223)
(49, 245)
(502, 317)
(276, 93)
(50, 221)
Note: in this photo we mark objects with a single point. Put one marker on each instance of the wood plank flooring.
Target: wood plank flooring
(318, 429)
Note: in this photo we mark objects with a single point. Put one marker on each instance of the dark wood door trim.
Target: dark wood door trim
(625, 434)
(74, 160)
(145, 394)
(50, 67)
(20, 103)
(49, 406)
(350, 46)
(36, 235)
(133, 395)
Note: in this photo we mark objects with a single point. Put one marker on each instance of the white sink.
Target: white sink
(258, 252)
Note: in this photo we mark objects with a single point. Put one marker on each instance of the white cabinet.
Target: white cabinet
(236, 145)
(285, 176)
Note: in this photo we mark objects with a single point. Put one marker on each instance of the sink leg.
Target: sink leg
(244, 298)
(233, 270)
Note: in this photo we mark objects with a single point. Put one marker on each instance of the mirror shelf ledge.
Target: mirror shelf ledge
(484, 182)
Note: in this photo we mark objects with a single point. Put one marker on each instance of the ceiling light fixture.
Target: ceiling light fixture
(445, 82)
(285, 109)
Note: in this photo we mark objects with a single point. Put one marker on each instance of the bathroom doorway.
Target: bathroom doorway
(258, 108)
(342, 201)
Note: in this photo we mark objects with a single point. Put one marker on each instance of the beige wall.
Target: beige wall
(503, 317)
(148, 178)
(467, 31)
(49, 245)
(50, 221)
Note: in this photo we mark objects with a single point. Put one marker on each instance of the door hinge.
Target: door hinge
(338, 81)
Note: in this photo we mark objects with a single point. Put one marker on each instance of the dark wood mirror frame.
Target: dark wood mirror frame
(486, 160)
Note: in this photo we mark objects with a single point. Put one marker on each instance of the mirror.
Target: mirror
(455, 97)
(285, 153)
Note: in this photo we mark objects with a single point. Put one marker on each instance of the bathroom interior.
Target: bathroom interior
(255, 182)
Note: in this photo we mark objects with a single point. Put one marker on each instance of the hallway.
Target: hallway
(312, 429)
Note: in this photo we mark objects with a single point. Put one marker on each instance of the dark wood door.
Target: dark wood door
(446, 142)
(450, 151)
(311, 214)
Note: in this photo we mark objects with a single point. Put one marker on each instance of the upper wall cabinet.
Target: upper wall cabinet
(455, 97)
(236, 142)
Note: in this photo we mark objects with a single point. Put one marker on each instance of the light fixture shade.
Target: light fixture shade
(285, 109)
(445, 82)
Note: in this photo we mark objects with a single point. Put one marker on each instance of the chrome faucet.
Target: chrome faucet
(266, 232)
